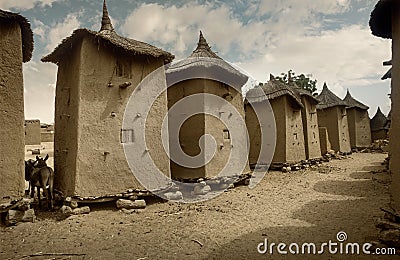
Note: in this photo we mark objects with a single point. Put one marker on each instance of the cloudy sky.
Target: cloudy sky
(329, 39)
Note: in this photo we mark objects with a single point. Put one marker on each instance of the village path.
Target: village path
(310, 205)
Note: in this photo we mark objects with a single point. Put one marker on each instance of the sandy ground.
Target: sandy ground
(305, 206)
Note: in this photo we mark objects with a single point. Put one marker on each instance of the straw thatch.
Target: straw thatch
(381, 19)
(379, 121)
(204, 63)
(328, 99)
(353, 103)
(303, 92)
(26, 32)
(271, 90)
(108, 36)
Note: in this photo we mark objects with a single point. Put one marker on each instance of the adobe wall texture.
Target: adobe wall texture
(191, 130)
(12, 152)
(222, 134)
(254, 130)
(201, 124)
(91, 115)
(310, 128)
(359, 128)
(335, 120)
(324, 140)
(295, 150)
(380, 134)
(66, 121)
(32, 132)
(280, 112)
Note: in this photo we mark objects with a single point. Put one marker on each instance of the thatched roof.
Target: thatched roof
(26, 32)
(381, 19)
(109, 36)
(271, 90)
(353, 103)
(328, 99)
(204, 63)
(303, 92)
(379, 121)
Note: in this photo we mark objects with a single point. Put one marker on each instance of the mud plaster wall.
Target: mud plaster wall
(12, 151)
(295, 150)
(32, 132)
(191, 130)
(310, 128)
(254, 130)
(395, 96)
(380, 134)
(47, 137)
(324, 140)
(335, 120)
(359, 128)
(101, 168)
(66, 120)
(198, 125)
(224, 135)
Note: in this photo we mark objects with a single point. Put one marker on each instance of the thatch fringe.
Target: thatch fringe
(26, 32)
(327, 99)
(271, 90)
(128, 45)
(353, 103)
(379, 121)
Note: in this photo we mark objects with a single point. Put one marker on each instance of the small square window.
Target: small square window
(127, 136)
(227, 135)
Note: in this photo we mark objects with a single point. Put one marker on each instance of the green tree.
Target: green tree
(303, 81)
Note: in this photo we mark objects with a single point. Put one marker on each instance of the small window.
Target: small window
(227, 135)
(127, 136)
(123, 69)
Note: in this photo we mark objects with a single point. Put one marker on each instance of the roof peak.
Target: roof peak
(105, 20)
(203, 49)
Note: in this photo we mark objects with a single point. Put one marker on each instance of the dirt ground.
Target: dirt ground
(305, 206)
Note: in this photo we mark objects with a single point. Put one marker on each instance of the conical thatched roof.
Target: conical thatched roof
(273, 89)
(353, 103)
(328, 99)
(379, 121)
(381, 19)
(303, 92)
(109, 36)
(204, 63)
(26, 32)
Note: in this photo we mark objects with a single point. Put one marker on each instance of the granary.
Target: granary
(310, 122)
(16, 46)
(97, 73)
(46, 133)
(32, 132)
(358, 121)
(332, 115)
(385, 23)
(286, 105)
(211, 83)
(379, 126)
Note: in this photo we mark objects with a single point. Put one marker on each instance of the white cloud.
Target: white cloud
(24, 4)
(61, 30)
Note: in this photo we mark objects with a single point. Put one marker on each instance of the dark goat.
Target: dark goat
(40, 175)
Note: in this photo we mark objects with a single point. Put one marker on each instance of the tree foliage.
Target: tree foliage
(303, 81)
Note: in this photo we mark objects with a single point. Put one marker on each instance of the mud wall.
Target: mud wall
(295, 150)
(32, 132)
(310, 128)
(12, 152)
(359, 128)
